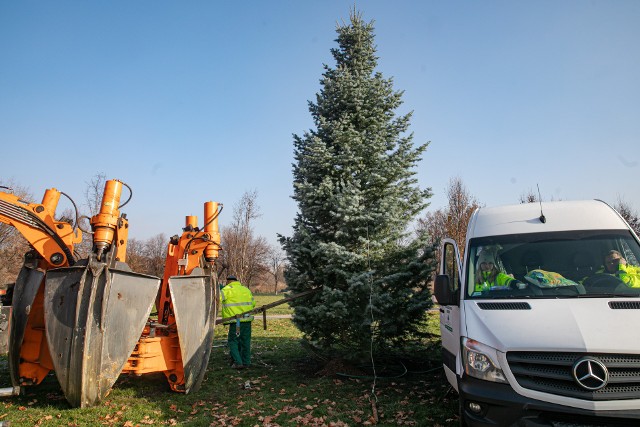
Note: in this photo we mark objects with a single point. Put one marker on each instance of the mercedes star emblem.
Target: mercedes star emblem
(590, 373)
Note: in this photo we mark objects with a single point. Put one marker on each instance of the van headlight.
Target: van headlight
(481, 361)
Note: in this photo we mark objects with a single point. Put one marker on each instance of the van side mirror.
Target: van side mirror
(443, 291)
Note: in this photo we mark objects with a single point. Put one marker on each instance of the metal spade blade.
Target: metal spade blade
(193, 307)
(94, 318)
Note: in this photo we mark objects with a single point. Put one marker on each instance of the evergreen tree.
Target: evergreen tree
(357, 194)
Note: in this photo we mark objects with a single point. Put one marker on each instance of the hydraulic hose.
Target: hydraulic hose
(24, 216)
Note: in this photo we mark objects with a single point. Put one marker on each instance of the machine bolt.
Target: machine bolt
(56, 258)
(39, 208)
(173, 378)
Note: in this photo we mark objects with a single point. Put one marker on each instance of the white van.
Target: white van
(557, 342)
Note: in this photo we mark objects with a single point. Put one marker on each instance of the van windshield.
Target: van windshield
(594, 263)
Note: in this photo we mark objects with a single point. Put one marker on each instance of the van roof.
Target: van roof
(559, 216)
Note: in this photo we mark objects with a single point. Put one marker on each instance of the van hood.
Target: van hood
(585, 324)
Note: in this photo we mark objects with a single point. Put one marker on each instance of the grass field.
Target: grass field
(264, 299)
(282, 388)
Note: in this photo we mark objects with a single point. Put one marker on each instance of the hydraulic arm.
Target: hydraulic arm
(52, 244)
(52, 240)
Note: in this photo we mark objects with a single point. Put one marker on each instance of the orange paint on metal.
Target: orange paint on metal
(34, 353)
(105, 223)
(50, 200)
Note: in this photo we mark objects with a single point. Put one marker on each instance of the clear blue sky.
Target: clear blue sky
(198, 100)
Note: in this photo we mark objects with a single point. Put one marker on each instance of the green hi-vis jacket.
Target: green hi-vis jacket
(236, 299)
(629, 274)
(501, 279)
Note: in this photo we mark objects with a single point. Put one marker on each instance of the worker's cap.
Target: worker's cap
(231, 278)
(485, 256)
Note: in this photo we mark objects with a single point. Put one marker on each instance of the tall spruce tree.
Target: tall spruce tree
(355, 186)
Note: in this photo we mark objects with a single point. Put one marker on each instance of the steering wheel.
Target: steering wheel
(602, 282)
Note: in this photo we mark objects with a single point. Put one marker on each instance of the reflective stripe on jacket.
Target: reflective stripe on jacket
(236, 299)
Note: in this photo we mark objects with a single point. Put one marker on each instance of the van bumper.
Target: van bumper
(500, 405)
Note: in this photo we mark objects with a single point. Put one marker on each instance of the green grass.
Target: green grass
(263, 299)
(284, 390)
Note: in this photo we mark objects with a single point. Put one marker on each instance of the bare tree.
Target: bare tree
(136, 257)
(434, 224)
(461, 207)
(155, 251)
(147, 256)
(93, 193)
(528, 197)
(451, 221)
(13, 245)
(244, 254)
(531, 196)
(8, 232)
(629, 214)
(277, 261)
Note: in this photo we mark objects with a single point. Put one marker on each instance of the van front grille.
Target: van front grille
(553, 373)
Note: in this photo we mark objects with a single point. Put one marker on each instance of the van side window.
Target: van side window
(451, 266)
(628, 253)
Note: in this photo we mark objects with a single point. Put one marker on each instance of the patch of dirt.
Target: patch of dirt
(339, 366)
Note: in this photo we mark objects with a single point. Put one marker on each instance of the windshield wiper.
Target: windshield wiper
(611, 295)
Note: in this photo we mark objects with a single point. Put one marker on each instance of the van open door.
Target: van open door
(447, 293)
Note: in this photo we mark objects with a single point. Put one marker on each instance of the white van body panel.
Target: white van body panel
(559, 216)
(587, 325)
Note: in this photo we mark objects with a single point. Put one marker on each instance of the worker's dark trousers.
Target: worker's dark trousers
(240, 346)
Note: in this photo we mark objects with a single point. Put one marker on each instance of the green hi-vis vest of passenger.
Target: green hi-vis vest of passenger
(501, 280)
(236, 299)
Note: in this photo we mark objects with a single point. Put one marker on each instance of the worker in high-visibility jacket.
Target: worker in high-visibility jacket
(614, 263)
(236, 300)
(488, 277)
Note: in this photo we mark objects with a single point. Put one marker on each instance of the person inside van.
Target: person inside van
(489, 277)
(614, 263)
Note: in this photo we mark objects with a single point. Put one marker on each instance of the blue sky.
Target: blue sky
(198, 100)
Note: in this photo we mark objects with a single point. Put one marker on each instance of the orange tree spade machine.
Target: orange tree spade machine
(179, 343)
(84, 318)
